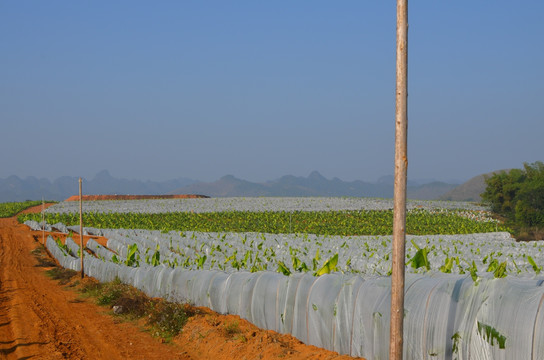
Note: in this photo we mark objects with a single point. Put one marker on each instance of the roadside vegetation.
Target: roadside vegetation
(517, 196)
(163, 319)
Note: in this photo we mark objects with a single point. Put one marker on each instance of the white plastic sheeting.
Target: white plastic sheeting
(64, 258)
(367, 255)
(72, 246)
(252, 204)
(446, 316)
(34, 225)
(99, 250)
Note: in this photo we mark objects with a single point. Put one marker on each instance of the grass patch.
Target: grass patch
(110, 293)
(40, 254)
(64, 276)
(167, 319)
(231, 329)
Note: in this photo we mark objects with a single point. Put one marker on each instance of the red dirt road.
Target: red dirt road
(40, 319)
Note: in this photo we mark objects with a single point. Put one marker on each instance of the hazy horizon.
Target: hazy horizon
(369, 180)
(259, 90)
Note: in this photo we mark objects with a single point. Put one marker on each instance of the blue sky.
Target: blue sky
(201, 89)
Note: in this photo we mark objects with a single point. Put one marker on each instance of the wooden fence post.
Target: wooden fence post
(81, 252)
(43, 221)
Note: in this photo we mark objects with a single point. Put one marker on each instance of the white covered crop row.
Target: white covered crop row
(447, 316)
(255, 204)
(367, 255)
(99, 250)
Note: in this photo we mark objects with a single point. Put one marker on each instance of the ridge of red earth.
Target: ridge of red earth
(135, 197)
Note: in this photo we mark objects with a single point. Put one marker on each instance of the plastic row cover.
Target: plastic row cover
(72, 246)
(99, 250)
(65, 259)
(120, 244)
(34, 225)
(446, 316)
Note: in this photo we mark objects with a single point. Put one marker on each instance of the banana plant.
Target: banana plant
(133, 256)
(420, 258)
(329, 266)
(537, 269)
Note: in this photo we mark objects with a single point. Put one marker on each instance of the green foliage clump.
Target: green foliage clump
(420, 259)
(9, 209)
(64, 276)
(492, 335)
(167, 319)
(518, 196)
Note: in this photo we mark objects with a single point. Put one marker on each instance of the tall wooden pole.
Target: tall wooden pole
(401, 167)
(81, 228)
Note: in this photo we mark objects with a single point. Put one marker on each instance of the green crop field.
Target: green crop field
(346, 223)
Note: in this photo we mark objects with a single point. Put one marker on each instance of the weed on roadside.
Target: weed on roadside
(105, 294)
(40, 254)
(165, 319)
(231, 329)
(64, 276)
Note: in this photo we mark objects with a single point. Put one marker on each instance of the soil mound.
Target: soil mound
(134, 197)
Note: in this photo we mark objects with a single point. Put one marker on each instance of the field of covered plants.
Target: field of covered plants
(318, 268)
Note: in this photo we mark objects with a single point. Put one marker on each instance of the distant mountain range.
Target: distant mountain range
(313, 185)
(14, 188)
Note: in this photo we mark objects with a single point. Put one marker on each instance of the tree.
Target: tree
(530, 198)
(518, 195)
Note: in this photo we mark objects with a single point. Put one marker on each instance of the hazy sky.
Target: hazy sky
(260, 89)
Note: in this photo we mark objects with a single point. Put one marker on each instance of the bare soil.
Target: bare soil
(41, 319)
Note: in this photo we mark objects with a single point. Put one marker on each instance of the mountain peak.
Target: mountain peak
(228, 178)
(315, 175)
(103, 175)
(386, 179)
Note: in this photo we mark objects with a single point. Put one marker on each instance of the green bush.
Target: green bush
(518, 196)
